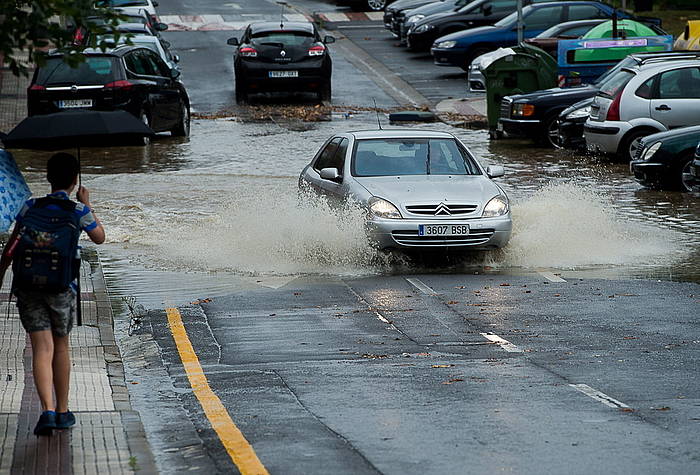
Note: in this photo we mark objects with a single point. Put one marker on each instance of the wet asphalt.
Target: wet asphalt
(330, 373)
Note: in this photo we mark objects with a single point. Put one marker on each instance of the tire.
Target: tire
(683, 175)
(630, 143)
(326, 92)
(376, 5)
(182, 129)
(241, 94)
(550, 134)
(145, 140)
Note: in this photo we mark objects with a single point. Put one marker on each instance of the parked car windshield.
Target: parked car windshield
(616, 83)
(94, 70)
(391, 157)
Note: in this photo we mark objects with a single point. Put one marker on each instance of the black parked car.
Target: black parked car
(663, 160)
(131, 78)
(413, 16)
(571, 122)
(423, 33)
(289, 59)
(537, 114)
(395, 14)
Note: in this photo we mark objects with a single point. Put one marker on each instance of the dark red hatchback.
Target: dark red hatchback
(131, 78)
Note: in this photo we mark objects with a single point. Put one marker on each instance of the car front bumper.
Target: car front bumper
(484, 234)
(453, 57)
(521, 127)
(648, 173)
(604, 138)
(420, 41)
(571, 133)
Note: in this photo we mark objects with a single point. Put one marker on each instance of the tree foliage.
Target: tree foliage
(28, 28)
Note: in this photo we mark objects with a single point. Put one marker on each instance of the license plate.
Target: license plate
(284, 74)
(443, 229)
(75, 103)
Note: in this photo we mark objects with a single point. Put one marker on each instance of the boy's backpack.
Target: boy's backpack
(45, 258)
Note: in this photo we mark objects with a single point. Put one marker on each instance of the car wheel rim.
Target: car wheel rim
(376, 5)
(634, 146)
(144, 119)
(686, 177)
(553, 134)
(186, 120)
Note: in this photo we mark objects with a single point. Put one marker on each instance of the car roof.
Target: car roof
(400, 134)
(663, 65)
(263, 26)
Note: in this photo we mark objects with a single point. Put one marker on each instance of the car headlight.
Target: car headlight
(497, 206)
(579, 113)
(415, 18)
(381, 208)
(649, 152)
(523, 110)
(424, 28)
(445, 44)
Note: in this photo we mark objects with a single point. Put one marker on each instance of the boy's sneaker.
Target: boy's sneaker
(64, 420)
(46, 424)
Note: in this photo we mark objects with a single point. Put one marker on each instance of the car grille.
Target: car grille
(441, 209)
(505, 108)
(411, 238)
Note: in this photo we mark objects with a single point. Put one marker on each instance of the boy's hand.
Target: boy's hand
(83, 196)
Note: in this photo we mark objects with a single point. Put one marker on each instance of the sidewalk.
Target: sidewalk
(467, 112)
(108, 436)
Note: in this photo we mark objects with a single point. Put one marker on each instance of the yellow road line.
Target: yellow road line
(238, 448)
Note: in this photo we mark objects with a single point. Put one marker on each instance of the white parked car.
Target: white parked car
(132, 7)
(640, 101)
(421, 189)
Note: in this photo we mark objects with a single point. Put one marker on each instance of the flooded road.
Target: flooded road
(192, 218)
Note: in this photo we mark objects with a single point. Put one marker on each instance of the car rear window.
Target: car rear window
(392, 157)
(286, 38)
(616, 83)
(94, 70)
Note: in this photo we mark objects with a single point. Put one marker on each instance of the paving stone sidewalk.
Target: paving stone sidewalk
(108, 436)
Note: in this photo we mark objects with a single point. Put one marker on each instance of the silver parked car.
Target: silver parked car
(421, 189)
(642, 100)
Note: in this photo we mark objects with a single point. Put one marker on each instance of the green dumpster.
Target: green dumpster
(528, 69)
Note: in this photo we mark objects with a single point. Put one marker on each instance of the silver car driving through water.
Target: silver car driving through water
(421, 189)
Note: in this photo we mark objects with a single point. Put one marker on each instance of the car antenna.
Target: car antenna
(282, 5)
(376, 110)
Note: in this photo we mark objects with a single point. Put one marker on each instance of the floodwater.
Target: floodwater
(194, 218)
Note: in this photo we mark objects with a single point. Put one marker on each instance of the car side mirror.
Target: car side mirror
(329, 39)
(176, 58)
(330, 174)
(160, 26)
(174, 73)
(494, 171)
(232, 42)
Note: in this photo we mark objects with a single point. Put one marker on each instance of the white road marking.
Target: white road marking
(505, 344)
(375, 15)
(333, 17)
(598, 396)
(421, 286)
(551, 277)
(235, 6)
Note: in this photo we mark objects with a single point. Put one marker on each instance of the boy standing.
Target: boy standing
(46, 311)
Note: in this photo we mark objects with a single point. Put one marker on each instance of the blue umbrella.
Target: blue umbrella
(14, 191)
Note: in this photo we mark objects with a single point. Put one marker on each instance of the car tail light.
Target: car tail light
(36, 87)
(79, 36)
(317, 50)
(121, 84)
(614, 109)
(248, 52)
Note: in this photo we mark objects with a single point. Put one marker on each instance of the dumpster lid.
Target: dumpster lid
(485, 60)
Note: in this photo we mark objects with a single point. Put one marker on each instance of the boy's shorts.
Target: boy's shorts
(46, 311)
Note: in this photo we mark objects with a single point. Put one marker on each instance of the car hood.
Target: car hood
(476, 189)
(483, 31)
(432, 9)
(561, 92)
(679, 135)
(401, 5)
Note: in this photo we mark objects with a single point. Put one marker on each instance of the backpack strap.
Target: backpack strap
(66, 205)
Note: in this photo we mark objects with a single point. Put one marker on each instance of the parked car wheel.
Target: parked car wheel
(145, 140)
(686, 179)
(182, 129)
(326, 92)
(376, 5)
(551, 137)
(630, 144)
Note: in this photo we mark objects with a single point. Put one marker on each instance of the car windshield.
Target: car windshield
(392, 157)
(94, 70)
(284, 38)
(616, 83)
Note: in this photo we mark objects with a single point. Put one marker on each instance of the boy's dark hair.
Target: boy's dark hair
(62, 170)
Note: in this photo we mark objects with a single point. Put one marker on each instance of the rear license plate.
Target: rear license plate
(75, 103)
(284, 74)
(443, 229)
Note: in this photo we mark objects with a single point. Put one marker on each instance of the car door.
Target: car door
(676, 101)
(166, 93)
(332, 156)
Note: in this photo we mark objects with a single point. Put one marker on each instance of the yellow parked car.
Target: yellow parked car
(690, 39)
